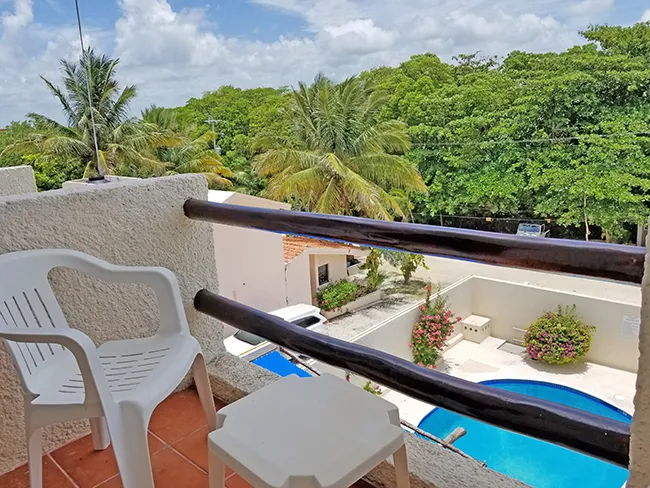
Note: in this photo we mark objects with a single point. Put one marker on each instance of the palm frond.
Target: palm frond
(366, 197)
(308, 184)
(331, 200)
(56, 91)
(278, 160)
(388, 171)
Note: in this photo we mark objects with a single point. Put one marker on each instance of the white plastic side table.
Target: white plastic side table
(306, 433)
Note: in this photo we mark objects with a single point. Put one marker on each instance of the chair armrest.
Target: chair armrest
(81, 347)
(161, 280)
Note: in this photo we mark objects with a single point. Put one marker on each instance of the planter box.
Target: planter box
(364, 301)
(335, 313)
(359, 303)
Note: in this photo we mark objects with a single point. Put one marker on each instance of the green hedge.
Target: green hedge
(334, 296)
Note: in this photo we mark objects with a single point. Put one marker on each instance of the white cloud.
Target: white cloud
(590, 6)
(21, 17)
(359, 36)
(150, 32)
(174, 54)
(646, 16)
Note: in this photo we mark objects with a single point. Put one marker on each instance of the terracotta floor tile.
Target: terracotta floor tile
(178, 416)
(52, 476)
(88, 467)
(236, 481)
(195, 448)
(169, 471)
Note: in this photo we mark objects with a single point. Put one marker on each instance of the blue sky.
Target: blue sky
(233, 18)
(177, 49)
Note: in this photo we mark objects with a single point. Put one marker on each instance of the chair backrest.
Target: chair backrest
(27, 301)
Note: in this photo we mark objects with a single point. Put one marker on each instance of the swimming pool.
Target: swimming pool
(538, 463)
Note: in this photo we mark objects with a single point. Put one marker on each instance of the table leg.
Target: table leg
(216, 471)
(401, 468)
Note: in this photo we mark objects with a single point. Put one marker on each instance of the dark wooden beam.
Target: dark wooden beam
(612, 261)
(582, 431)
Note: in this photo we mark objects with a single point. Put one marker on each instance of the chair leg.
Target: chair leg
(216, 471)
(99, 432)
(401, 468)
(202, 381)
(35, 457)
(128, 432)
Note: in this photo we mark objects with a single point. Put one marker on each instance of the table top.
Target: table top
(320, 428)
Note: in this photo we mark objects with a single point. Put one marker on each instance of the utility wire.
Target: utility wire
(492, 219)
(530, 141)
(88, 81)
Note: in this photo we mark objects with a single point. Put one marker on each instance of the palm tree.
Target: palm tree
(342, 159)
(181, 154)
(123, 143)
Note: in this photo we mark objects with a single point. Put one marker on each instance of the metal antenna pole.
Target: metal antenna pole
(90, 101)
(212, 121)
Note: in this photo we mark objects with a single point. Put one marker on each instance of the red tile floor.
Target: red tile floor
(177, 444)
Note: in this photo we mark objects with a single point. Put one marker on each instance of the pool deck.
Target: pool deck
(485, 361)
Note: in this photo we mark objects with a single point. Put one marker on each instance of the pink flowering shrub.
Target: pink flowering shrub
(558, 337)
(434, 327)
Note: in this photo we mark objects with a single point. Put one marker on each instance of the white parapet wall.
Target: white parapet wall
(17, 180)
(512, 307)
(141, 223)
(394, 334)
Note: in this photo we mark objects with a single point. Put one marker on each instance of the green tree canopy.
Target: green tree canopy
(180, 153)
(340, 158)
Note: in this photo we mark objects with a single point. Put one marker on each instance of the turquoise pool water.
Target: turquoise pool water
(538, 463)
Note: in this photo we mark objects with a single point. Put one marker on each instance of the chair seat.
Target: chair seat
(306, 432)
(129, 366)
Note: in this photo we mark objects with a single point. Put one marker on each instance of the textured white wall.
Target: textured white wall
(137, 224)
(17, 180)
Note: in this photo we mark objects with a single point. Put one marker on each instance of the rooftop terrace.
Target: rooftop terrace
(145, 224)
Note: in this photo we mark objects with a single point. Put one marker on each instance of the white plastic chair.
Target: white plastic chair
(116, 385)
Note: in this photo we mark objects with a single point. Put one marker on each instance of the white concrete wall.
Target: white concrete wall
(338, 266)
(110, 180)
(250, 264)
(138, 224)
(516, 305)
(394, 334)
(511, 305)
(17, 180)
(298, 280)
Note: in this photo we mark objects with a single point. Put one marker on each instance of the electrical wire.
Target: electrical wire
(90, 101)
(530, 141)
(493, 219)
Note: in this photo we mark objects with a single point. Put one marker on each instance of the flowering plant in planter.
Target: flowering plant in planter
(434, 327)
(558, 337)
